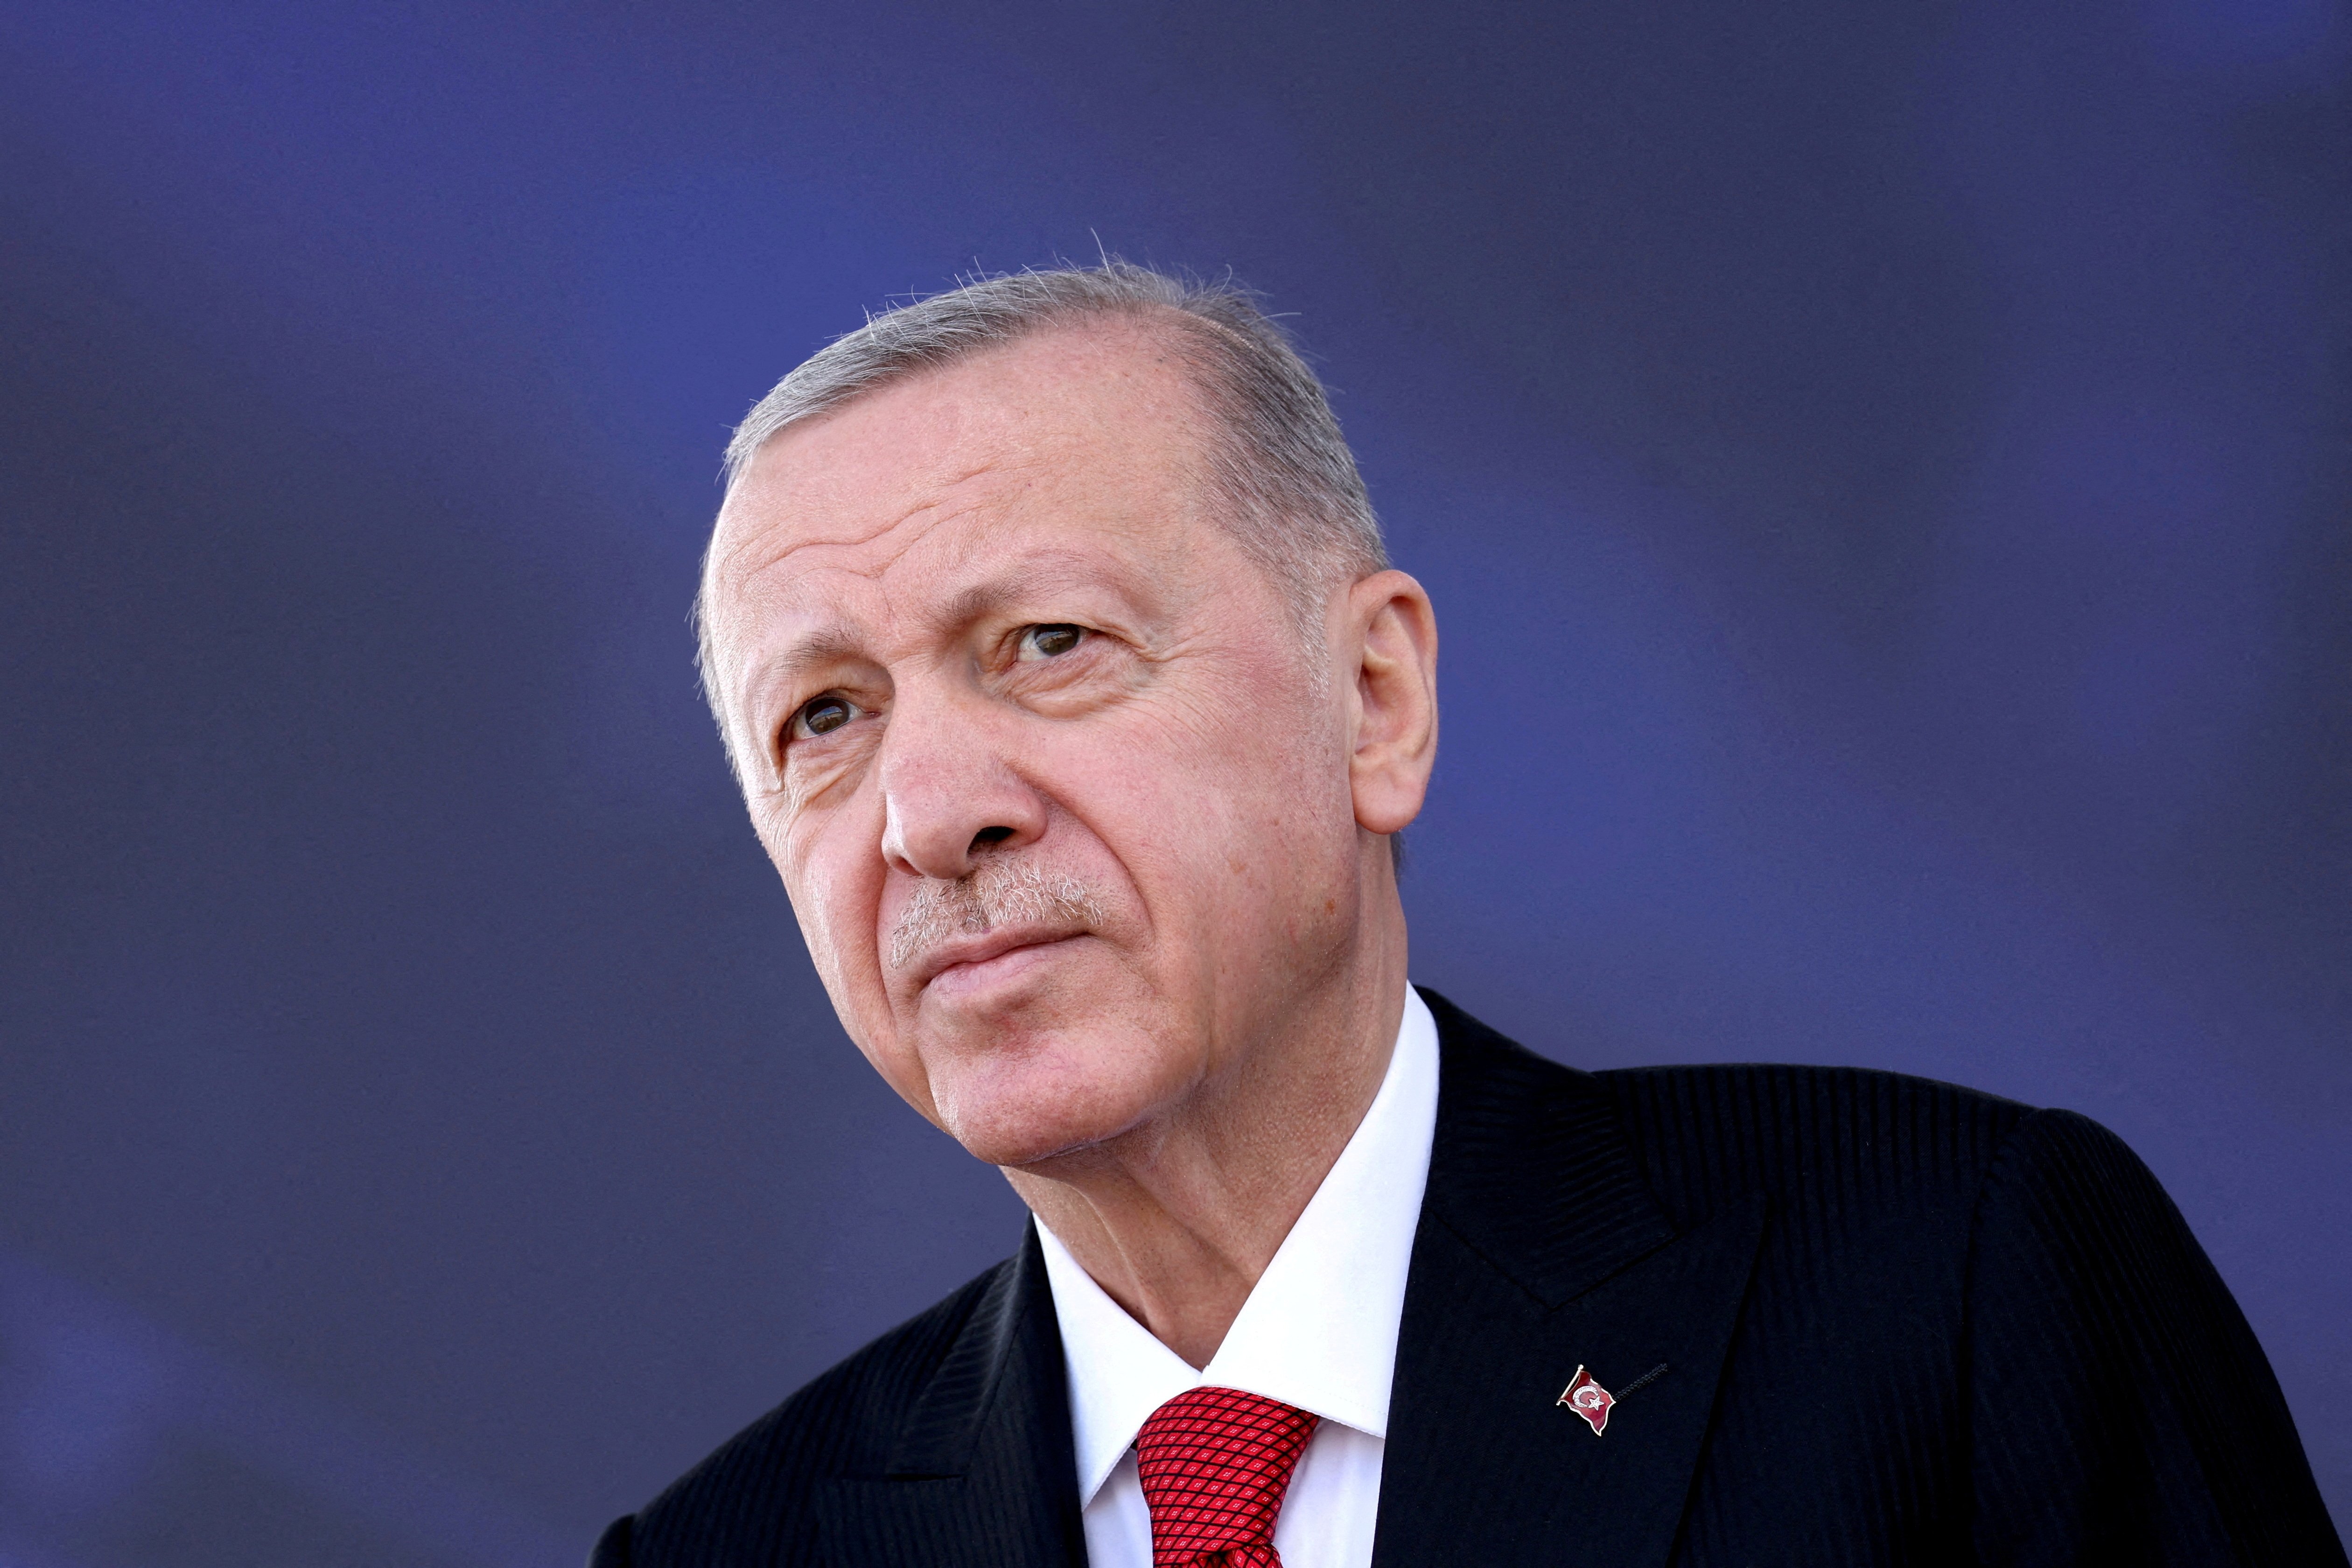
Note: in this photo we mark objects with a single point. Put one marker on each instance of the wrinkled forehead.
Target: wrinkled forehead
(1086, 441)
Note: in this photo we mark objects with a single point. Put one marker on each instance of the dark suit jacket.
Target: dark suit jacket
(1901, 1323)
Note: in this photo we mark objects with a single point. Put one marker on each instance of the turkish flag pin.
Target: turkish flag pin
(1587, 1399)
(1593, 1403)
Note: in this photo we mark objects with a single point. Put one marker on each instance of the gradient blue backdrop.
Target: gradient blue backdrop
(1883, 471)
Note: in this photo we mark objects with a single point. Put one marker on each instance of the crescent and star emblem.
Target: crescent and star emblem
(1592, 1402)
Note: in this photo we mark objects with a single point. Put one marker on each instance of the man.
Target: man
(1054, 647)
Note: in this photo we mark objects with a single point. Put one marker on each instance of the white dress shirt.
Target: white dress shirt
(1318, 1332)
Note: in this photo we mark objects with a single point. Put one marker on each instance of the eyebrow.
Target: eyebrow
(839, 642)
(1023, 576)
(827, 645)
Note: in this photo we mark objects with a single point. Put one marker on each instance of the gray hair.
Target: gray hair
(1275, 452)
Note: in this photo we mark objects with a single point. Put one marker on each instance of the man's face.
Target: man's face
(1061, 805)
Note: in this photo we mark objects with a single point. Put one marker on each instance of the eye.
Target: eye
(1050, 641)
(822, 717)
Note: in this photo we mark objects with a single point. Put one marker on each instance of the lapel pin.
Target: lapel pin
(1587, 1399)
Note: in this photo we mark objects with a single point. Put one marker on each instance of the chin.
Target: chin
(1033, 1107)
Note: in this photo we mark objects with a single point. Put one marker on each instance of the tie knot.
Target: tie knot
(1214, 1463)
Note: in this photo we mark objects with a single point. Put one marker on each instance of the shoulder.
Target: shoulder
(1925, 1184)
(1837, 1141)
(1841, 1155)
(748, 1501)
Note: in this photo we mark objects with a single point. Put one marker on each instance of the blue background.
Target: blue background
(1883, 471)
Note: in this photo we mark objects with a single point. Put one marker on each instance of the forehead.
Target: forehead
(1089, 434)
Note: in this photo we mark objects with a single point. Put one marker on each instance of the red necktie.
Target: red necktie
(1214, 1464)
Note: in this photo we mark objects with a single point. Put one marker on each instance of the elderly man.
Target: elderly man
(1056, 648)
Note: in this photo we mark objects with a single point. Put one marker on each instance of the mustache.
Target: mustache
(995, 895)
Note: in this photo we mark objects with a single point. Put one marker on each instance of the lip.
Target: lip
(968, 962)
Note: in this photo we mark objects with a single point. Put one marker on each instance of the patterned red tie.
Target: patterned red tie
(1215, 1463)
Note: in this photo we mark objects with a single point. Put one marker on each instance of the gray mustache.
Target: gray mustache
(993, 896)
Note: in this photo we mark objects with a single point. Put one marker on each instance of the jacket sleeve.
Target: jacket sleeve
(2120, 1408)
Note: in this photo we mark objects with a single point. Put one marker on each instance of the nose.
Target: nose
(950, 793)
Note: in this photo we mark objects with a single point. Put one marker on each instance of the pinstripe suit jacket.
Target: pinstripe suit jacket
(1902, 1324)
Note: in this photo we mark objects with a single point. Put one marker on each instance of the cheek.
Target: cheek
(1205, 800)
(833, 893)
(1259, 752)
(836, 892)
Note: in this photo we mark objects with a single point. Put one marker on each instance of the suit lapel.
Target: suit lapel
(983, 1468)
(1539, 1248)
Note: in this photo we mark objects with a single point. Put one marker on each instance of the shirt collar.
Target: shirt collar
(1320, 1329)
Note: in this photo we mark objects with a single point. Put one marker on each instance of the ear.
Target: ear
(1388, 621)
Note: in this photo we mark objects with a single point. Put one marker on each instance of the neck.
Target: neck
(1176, 1218)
